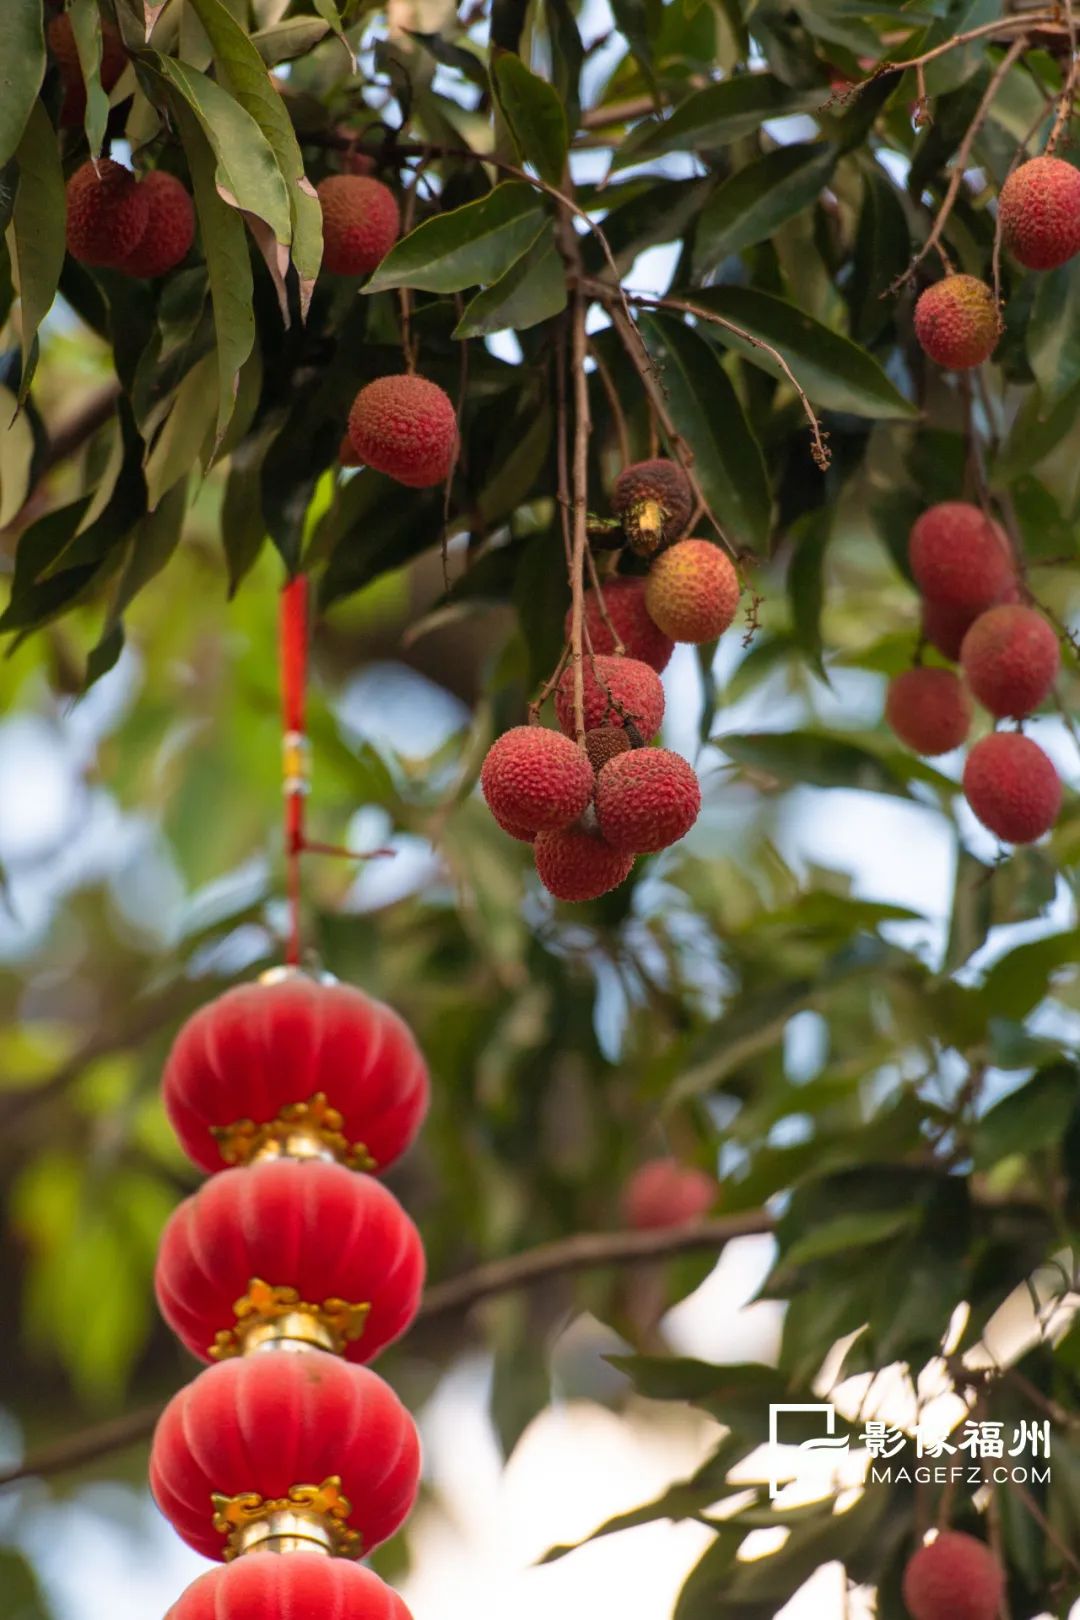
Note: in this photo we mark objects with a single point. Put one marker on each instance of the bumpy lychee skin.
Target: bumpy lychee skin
(361, 223)
(1011, 658)
(1012, 787)
(114, 59)
(653, 501)
(1039, 209)
(624, 601)
(575, 863)
(955, 1577)
(959, 557)
(663, 1192)
(647, 799)
(170, 227)
(107, 214)
(405, 427)
(536, 779)
(945, 627)
(617, 690)
(603, 743)
(929, 710)
(692, 591)
(957, 322)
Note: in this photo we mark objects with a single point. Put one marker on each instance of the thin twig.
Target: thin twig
(585, 1251)
(1003, 25)
(579, 475)
(960, 164)
(1068, 88)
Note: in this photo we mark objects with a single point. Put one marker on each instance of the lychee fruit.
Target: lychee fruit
(945, 627)
(929, 710)
(1011, 658)
(957, 322)
(107, 213)
(624, 601)
(361, 223)
(954, 1577)
(959, 557)
(654, 501)
(646, 799)
(536, 779)
(170, 227)
(603, 743)
(524, 835)
(618, 691)
(692, 591)
(114, 59)
(576, 863)
(1039, 210)
(1012, 787)
(663, 1192)
(405, 427)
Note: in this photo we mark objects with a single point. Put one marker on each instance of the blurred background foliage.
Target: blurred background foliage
(837, 992)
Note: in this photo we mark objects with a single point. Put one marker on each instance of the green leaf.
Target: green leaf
(228, 265)
(247, 175)
(707, 413)
(22, 69)
(36, 234)
(1038, 428)
(1030, 1119)
(532, 290)
(1053, 331)
(717, 116)
(836, 373)
(849, 1232)
(16, 456)
(178, 445)
(23, 1597)
(471, 246)
(243, 72)
(818, 759)
(753, 202)
(1018, 982)
(882, 252)
(86, 29)
(806, 584)
(534, 115)
(289, 39)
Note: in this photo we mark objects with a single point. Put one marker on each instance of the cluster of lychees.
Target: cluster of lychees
(590, 805)
(957, 321)
(1009, 655)
(116, 221)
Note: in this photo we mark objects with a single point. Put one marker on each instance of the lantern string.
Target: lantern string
(295, 752)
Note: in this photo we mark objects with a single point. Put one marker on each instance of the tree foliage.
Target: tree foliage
(169, 452)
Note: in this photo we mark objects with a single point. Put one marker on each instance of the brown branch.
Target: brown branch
(819, 449)
(1068, 88)
(586, 1251)
(1046, 20)
(1015, 50)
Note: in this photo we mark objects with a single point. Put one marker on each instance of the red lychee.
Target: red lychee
(663, 1192)
(1011, 658)
(603, 743)
(654, 501)
(617, 691)
(107, 213)
(957, 322)
(361, 222)
(624, 601)
(536, 780)
(646, 799)
(692, 591)
(1039, 209)
(575, 863)
(959, 557)
(955, 1577)
(929, 709)
(405, 427)
(170, 227)
(114, 59)
(1012, 787)
(945, 627)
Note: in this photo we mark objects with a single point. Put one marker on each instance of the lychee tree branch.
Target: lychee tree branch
(1048, 21)
(960, 164)
(580, 499)
(1068, 88)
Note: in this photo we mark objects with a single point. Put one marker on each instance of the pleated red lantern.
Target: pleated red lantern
(304, 1586)
(302, 1251)
(295, 1065)
(273, 1447)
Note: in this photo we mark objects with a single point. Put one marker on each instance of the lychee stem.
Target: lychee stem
(579, 492)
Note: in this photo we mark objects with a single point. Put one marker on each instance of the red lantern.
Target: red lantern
(303, 1586)
(295, 1066)
(274, 1448)
(289, 1250)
